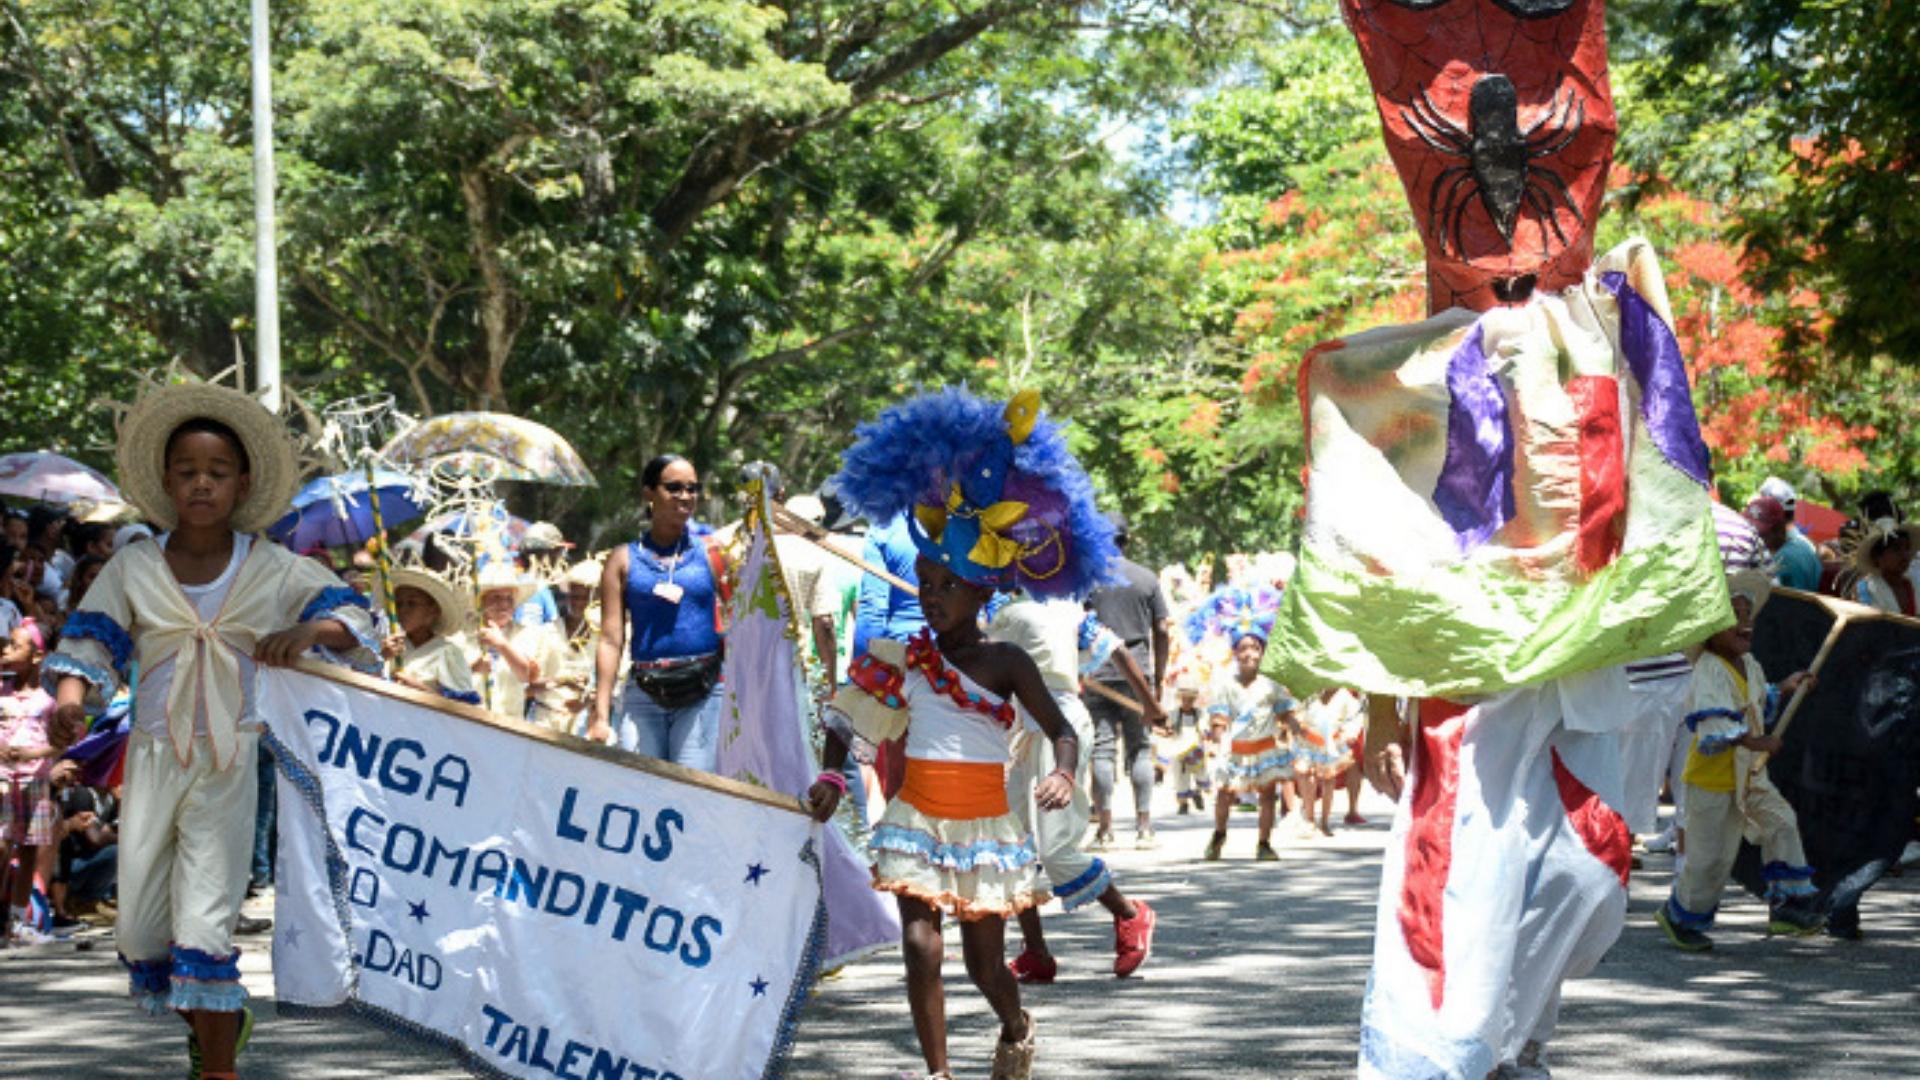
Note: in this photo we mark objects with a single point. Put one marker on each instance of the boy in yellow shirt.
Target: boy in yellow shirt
(1728, 795)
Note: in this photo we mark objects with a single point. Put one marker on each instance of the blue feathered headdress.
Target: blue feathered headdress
(991, 490)
(1236, 611)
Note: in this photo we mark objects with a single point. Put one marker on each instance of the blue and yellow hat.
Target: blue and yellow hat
(990, 489)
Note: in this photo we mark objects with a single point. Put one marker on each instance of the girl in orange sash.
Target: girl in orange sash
(994, 502)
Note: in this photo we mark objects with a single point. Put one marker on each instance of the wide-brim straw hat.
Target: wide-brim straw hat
(158, 413)
(456, 610)
(500, 574)
(1755, 585)
(1877, 530)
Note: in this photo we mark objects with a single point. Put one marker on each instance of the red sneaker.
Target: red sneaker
(1032, 967)
(1133, 939)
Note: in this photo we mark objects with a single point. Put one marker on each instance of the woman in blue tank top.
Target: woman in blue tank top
(661, 597)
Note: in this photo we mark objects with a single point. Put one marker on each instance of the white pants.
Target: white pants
(1716, 823)
(1074, 876)
(186, 848)
(1505, 874)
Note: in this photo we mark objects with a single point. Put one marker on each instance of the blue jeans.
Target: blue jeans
(263, 821)
(91, 877)
(689, 735)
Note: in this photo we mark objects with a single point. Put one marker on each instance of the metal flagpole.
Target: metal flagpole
(266, 271)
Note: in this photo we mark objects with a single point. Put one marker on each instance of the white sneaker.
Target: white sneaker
(1660, 843)
(28, 935)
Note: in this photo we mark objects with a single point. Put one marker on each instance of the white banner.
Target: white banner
(550, 912)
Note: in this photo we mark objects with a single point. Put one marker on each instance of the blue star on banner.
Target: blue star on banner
(290, 935)
(417, 912)
(759, 986)
(754, 873)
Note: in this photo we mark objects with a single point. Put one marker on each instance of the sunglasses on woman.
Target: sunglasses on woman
(681, 487)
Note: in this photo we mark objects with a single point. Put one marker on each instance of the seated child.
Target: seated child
(426, 648)
(1728, 793)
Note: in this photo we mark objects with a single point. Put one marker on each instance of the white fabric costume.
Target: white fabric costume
(187, 820)
(1050, 633)
(1506, 871)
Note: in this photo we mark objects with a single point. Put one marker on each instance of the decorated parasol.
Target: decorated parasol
(489, 446)
(55, 478)
(347, 509)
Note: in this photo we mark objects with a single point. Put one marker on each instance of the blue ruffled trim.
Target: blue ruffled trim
(1085, 888)
(60, 664)
(1785, 882)
(207, 997)
(1693, 718)
(1709, 745)
(331, 599)
(100, 627)
(1690, 920)
(810, 959)
(148, 976)
(465, 697)
(961, 858)
(1241, 769)
(203, 966)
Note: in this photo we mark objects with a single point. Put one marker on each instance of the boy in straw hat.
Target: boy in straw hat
(1728, 796)
(432, 613)
(506, 652)
(1882, 558)
(199, 607)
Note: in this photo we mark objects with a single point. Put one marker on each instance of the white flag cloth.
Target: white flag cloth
(546, 911)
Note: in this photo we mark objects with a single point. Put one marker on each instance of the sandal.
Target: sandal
(1014, 1060)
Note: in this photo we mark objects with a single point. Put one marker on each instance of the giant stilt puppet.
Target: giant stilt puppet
(1507, 521)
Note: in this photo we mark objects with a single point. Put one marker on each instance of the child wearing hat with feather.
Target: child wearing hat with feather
(994, 501)
(200, 607)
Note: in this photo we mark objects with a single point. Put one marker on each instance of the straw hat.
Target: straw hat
(160, 410)
(1754, 585)
(1878, 530)
(500, 574)
(587, 572)
(455, 609)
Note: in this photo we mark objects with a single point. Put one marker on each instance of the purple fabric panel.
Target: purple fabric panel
(1666, 401)
(1475, 490)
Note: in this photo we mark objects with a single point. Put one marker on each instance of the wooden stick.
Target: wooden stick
(474, 714)
(1813, 669)
(1115, 696)
(789, 522)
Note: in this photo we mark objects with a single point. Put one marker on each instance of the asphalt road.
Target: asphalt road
(1258, 971)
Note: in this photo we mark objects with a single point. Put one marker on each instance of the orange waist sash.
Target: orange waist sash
(955, 790)
(1255, 746)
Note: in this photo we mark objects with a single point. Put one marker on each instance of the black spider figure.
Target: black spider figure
(1499, 155)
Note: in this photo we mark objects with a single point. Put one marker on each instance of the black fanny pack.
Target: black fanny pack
(675, 684)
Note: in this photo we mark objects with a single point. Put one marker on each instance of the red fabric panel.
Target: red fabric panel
(1436, 790)
(1599, 826)
(1603, 470)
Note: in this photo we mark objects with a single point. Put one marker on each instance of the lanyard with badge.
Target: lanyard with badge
(667, 590)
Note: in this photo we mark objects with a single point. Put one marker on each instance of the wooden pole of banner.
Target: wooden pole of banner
(474, 714)
(790, 522)
(807, 530)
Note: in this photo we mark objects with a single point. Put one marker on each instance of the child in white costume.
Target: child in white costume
(199, 608)
(1254, 710)
(1061, 637)
(426, 647)
(1728, 793)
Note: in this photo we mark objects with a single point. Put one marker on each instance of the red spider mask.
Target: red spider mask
(1499, 118)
